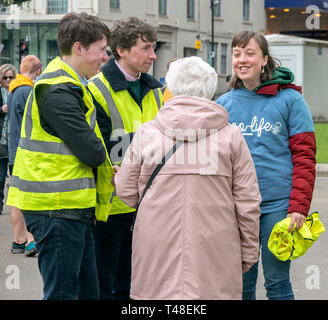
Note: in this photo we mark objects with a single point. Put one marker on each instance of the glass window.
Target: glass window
(57, 6)
(52, 50)
(217, 8)
(191, 9)
(212, 55)
(38, 36)
(5, 52)
(189, 52)
(115, 4)
(246, 10)
(4, 9)
(224, 50)
(162, 4)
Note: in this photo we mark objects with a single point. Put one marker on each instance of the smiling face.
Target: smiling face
(93, 57)
(138, 58)
(247, 63)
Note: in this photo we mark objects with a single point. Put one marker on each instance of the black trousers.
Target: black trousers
(113, 254)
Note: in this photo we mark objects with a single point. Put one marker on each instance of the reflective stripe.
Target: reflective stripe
(93, 118)
(28, 117)
(157, 98)
(112, 197)
(56, 74)
(44, 146)
(115, 115)
(52, 186)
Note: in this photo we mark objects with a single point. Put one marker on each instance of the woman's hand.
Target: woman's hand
(297, 218)
(116, 169)
(5, 108)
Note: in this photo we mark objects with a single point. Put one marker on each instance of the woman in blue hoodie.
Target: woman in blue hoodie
(277, 125)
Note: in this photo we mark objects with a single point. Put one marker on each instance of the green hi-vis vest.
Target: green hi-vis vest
(46, 174)
(125, 115)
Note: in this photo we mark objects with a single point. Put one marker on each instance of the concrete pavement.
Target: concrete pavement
(20, 278)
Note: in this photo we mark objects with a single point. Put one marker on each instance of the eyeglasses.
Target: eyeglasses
(10, 78)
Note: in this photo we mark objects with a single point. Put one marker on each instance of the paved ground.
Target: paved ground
(20, 278)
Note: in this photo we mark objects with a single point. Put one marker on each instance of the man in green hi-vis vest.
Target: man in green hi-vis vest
(61, 149)
(125, 96)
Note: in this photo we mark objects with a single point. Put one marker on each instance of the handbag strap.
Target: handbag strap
(154, 174)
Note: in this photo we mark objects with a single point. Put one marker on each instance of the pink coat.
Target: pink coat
(197, 227)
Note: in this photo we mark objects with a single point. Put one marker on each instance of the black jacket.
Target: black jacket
(62, 114)
(3, 147)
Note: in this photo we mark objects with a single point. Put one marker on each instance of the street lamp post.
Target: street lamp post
(212, 53)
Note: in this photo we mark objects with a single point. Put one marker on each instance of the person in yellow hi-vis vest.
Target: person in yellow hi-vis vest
(62, 173)
(125, 97)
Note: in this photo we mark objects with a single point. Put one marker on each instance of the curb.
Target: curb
(322, 170)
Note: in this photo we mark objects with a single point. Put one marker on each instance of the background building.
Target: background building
(307, 59)
(180, 23)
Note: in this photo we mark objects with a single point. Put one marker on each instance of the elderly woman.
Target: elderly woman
(7, 74)
(197, 226)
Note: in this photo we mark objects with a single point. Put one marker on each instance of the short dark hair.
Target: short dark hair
(82, 27)
(241, 39)
(125, 33)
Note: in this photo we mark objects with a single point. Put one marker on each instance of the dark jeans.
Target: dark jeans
(276, 273)
(113, 252)
(3, 175)
(66, 258)
(3, 169)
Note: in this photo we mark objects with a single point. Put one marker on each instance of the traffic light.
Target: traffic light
(23, 49)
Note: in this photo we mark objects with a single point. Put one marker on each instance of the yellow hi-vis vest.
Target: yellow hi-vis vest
(126, 117)
(46, 174)
(291, 245)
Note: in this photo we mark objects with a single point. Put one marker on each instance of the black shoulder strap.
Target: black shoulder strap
(154, 174)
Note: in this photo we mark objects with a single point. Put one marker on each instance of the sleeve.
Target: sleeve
(104, 123)
(302, 145)
(300, 117)
(303, 149)
(126, 180)
(247, 201)
(67, 121)
(21, 102)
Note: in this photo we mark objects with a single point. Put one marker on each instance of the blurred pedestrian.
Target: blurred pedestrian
(197, 226)
(7, 74)
(166, 92)
(277, 124)
(20, 89)
(60, 151)
(125, 96)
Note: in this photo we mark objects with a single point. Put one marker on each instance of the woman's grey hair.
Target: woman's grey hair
(192, 76)
(6, 67)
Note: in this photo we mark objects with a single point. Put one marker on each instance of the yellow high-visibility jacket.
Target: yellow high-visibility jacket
(125, 115)
(291, 245)
(46, 174)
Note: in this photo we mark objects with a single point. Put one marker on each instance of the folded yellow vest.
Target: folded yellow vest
(291, 245)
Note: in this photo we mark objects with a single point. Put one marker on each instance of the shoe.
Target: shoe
(18, 247)
(30, 249)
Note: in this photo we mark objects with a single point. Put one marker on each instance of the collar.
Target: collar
(84, 80)
(126, 75)
(118, 82)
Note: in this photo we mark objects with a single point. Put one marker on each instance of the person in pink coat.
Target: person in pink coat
(197, 228)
